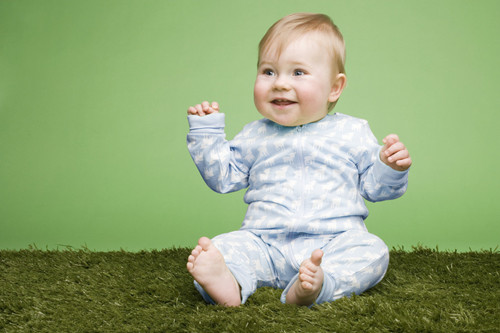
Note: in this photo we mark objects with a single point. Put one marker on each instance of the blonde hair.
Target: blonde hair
(290, 27)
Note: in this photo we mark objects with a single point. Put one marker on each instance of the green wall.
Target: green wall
(93, 99)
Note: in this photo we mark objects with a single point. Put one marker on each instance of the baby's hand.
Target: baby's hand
(203, 109)
(394, 153)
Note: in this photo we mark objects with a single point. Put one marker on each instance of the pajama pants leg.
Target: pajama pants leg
(353, 262)
(249, 260)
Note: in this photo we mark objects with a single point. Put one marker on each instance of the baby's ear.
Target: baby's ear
(337, 87)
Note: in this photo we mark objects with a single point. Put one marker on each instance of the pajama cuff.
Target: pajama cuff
(210, 124)
(325, 295)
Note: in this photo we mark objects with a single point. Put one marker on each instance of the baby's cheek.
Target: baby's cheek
(313, 102)
(259, 96)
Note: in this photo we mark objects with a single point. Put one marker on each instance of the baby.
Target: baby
(307, 173)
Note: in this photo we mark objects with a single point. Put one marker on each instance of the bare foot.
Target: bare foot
(308, 286)
(206, 265)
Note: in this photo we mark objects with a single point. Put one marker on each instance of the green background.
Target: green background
(93, 100)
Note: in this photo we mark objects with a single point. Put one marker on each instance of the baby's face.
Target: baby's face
(296, 87)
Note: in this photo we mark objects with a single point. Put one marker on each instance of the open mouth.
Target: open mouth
(282, 102)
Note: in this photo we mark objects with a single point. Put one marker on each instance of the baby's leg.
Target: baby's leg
(243, 254)
(206, 265)
(354, 261)
(307, 287)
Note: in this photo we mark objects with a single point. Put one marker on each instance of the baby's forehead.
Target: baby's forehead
(274, 49)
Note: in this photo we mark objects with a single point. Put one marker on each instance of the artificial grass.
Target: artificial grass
(84, 291)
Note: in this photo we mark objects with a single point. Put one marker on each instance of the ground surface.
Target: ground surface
(84, 291)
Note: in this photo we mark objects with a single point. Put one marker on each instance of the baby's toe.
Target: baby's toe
(306, 278)
(311, 268)
(316, 257)
(189, 266)
(306, 285)
(195, 252)
(204, 243)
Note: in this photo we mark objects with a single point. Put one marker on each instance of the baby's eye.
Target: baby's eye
(268, 72)
(299, 72)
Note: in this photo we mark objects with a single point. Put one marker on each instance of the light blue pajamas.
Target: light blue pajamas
(306, 186)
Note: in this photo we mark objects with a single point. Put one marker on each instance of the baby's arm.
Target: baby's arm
(384, 177)
(395, 154)
(219, 161)
(203, 109)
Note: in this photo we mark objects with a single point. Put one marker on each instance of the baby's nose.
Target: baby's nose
(282, 83)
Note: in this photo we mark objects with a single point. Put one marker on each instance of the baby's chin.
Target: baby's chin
(288, 124)
(290, 118)
(290, 121)
(283, 119)
(285, 122)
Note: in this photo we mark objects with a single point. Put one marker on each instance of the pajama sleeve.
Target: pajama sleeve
(218, 160)
(378, 181)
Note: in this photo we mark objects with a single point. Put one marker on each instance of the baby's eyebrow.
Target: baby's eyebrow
(265, 63)
(294, 64)
(299, 64)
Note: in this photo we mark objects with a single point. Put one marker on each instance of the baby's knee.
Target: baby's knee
(357, 249)
(379, 245)
(377, 262)
(378, 251)
(362, 239)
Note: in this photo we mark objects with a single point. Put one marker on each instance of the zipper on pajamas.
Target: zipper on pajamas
(302, 165)
(301, 194)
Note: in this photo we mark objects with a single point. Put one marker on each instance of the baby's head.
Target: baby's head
(293, 26)
(300, 69)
